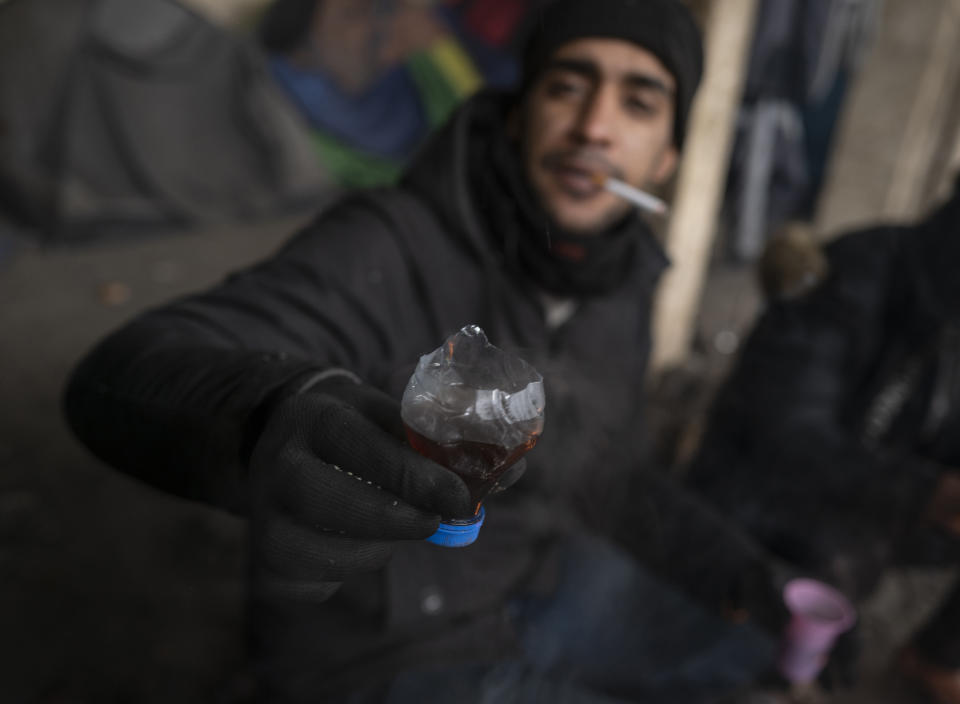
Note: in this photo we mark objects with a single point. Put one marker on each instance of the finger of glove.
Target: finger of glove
(293, 553)
(329, 500)
(378, 406)
(343, 436)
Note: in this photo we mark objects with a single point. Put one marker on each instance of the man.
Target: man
(274, 395)
(834, 441)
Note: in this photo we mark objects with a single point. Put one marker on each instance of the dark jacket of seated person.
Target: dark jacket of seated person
(275, 394)
(836, 439)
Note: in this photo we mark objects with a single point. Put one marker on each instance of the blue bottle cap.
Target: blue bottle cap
(460, 534)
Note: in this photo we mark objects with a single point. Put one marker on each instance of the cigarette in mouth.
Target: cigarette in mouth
(641, 199)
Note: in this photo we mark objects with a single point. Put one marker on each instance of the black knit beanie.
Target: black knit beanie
(665, 28)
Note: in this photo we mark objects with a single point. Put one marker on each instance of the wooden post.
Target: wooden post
(702, 178)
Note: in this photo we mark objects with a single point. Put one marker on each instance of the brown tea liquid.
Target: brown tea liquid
(478, 464)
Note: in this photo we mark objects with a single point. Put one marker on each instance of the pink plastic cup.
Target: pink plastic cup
(819, 615)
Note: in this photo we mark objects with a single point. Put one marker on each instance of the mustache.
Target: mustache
(587, 159)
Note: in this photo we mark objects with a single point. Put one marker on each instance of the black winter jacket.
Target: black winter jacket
(175, 398)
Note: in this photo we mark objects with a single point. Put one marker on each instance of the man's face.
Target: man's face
(601, 107)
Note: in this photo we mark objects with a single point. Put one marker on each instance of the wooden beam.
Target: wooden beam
(702, 178)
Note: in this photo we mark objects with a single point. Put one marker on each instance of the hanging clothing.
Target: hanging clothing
(803, 55)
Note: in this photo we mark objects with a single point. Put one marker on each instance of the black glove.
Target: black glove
(334, 486)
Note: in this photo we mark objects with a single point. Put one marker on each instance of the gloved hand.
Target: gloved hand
(334, 487)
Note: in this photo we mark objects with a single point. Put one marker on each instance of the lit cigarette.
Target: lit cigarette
(641, 199)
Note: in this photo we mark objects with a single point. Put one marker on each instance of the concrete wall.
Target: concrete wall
(898, 141)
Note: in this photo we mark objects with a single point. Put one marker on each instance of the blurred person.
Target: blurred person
(373, 77)
(141, 117)
(273, 395)
(835, 439)
(492, 31)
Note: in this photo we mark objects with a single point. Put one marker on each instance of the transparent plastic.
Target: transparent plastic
(474, 409)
